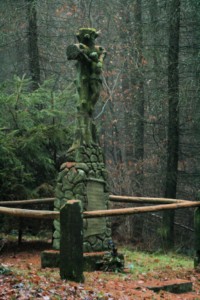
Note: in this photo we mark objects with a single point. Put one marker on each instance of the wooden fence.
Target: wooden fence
(71, 256)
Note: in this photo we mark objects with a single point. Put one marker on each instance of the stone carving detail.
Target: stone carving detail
(84, 176)
(89, 65)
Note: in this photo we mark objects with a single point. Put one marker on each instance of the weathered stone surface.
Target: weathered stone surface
(69, 195)
(85, 157)
(96, 201)
(56, 224)
(56, 234)
(106, 243)
(177, 287)
(58, 190)
(79, 189)
(80, 197)
(63, 201)
(82, 166)
(71, 175)
(56, 244)
(66, 184)
(92, 173)
(57, 203)
(101, 159)
(108, 232)
(71, 258)
(92, 240)
(94, 166)
(81, 176)
(51, 259)
(98, 246)
(88, 152)
(93, 158)
(99, 175)
(62, 174)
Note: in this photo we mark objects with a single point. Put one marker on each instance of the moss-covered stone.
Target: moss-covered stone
(57, 203)
(91, 173)
(82, 166)
(71, 175)
(58, 190)
(51, 259)
(56, 224)
(86, 247)
(56, 244)
(69, 195)
(85, 157)
(56, 234)
(94, 158)
(92, 240)
(79, 189)
(66, 184)
(71, 242)
(80, 176)
(98, 245)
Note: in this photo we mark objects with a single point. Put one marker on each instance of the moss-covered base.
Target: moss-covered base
(85, 179)
(51, 259)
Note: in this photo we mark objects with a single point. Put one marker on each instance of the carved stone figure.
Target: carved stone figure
(90, 59)
(84, 175)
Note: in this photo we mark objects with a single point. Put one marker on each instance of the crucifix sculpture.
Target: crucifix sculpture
(84, 175)
(89, 64)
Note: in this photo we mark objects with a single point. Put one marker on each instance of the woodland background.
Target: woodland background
(147, 116)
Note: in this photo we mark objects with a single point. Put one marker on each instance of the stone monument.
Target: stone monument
(83, 176)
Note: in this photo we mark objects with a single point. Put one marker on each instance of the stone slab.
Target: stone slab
(177, 286)
(96, 201)
(51, 259)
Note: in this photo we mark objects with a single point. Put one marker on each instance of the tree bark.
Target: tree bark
(139, 126)
(33, 51)
(173, 120)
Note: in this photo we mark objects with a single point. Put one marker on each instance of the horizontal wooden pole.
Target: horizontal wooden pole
(130, 199)
(113, 198)
(136, 210)
(25, 202)
(27, 213)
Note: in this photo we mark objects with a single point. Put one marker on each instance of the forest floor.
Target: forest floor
(21, 277)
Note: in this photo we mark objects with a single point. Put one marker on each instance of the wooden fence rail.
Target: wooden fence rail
(27, 213)
(136, 210)
(27, 202)
(113, 198)
(131, 199)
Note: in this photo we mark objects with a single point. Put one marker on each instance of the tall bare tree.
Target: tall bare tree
(173, 119)
(33, 51)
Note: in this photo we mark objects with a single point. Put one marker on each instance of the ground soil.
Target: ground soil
(28, 281)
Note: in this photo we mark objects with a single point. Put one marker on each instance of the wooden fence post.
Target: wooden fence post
(197, 237)
(71, 241)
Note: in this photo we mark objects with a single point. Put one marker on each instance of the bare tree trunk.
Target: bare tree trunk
(33, 52)
(139, 126)
(173, 121)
